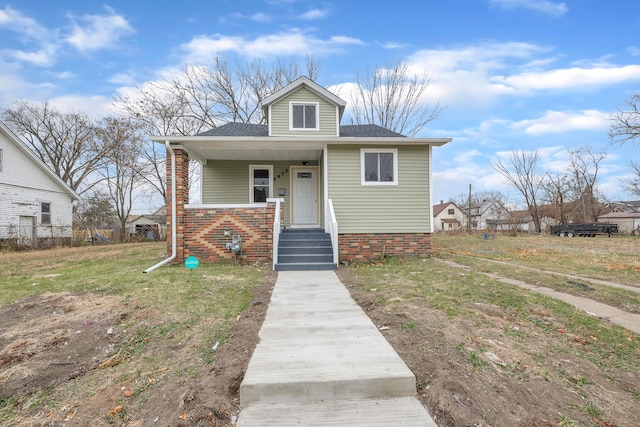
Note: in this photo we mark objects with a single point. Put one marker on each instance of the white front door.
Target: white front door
(305, 197)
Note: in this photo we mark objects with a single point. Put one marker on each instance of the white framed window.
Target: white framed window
(45, 213)
(379, 166)
(260, 183)
(303, 115)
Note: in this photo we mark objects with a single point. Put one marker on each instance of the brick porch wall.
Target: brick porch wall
(364, 247)
(201, 231)
(205, 233)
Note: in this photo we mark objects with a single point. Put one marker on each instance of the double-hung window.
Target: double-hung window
(45, 213)
(260, 179)
(379, 166)
(304, 116)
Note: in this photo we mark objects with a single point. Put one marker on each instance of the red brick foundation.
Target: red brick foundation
(364, 247)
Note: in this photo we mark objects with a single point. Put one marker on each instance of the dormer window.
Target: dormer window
(304, 116)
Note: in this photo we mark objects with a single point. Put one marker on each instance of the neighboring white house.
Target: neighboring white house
(35, 204)
(447, 216)
(489, 214)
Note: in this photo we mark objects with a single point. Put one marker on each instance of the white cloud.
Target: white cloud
(94, 106)
(122, 79)
(98, 31)
(479, 75)
(565, 121)
(392, 45)
(294, 42)
(14, 86)
(260, 17)
(570, 78)
(30, 31)
(551, 8)
(314, 14)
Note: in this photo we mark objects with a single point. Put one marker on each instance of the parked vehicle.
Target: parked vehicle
(588, 230)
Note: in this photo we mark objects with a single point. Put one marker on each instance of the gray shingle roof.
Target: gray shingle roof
(367, 131)
(250, 129)
(237, 129)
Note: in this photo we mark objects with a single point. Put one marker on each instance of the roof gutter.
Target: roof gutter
(174, 226)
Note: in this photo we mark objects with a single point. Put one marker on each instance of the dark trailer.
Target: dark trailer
(588, 230)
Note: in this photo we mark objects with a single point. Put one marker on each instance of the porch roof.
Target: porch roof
(241, 141)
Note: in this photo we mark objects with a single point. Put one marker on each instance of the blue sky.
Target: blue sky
(511, 74)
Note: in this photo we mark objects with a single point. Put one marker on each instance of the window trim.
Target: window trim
(251, 169)
(305, 129)
(363, 180)
(42, 222)
(1, 159)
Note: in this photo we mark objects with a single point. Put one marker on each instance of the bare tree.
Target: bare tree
(625, 124)
(583, 167)
(64, 141)
(121, 168)
(633, 183)
(94, 210)
(201, 97)
(522, 173)
(394, 98)
(557, 190)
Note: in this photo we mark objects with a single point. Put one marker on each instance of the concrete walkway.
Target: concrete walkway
(322, 362)
(597, 309)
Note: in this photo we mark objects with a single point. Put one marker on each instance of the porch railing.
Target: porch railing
(276, 232)
(332, 228)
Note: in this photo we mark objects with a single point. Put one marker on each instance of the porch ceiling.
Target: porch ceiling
(258, 150)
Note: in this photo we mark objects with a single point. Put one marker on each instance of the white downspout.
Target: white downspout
(174, 226)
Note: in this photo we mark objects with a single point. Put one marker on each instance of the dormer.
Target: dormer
(303, 109)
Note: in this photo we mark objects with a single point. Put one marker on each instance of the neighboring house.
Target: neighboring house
(628, 222)
(35, 204)
(447, 216)
(367, 187)
(626, 206)
(148, 226)
(522, 221)
(489, 214)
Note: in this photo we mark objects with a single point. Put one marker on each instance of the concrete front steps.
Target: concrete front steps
(322, 362)
(305, 249)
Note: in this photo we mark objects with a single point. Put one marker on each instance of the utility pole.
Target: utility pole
(469, 211)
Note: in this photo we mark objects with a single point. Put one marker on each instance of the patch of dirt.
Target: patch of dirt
(470, 372)
(67, 341)
(52, 338)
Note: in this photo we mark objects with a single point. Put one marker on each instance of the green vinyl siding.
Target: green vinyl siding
(380, 209)
(227, 182)
(280, 115)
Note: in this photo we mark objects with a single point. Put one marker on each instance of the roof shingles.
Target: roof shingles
(346, 131)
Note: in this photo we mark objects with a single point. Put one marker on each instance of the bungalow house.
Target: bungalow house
(628, 221)
(301, 192)
(35, 203)
(447, 216)
(148, 226)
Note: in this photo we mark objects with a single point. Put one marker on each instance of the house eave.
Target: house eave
(202, 148)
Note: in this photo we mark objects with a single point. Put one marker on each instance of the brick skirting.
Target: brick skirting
(208, 230)
(364, 247)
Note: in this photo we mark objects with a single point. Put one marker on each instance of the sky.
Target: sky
(510, 75)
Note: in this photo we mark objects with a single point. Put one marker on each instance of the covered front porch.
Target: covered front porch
(246, 203)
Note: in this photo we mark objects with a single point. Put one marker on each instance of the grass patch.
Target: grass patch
(187, 311)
